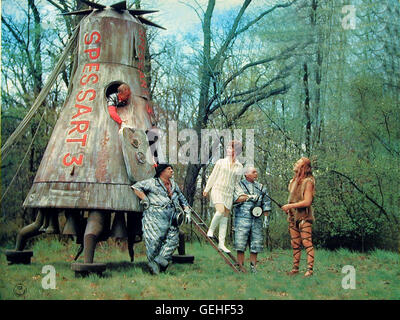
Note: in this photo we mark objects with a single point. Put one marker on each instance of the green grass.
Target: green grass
(377, 276)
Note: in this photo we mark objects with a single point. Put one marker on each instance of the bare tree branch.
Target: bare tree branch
(282, 74)
(285, 5)
(57, 6)
(282, 55)
(382, 209)
(256, 99)
(296, 144)
(19, 40)
(232, 32)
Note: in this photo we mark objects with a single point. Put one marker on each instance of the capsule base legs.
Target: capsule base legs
(19, 255)
(29, 231)
(181, 257)
(96, 224)
(134, 225)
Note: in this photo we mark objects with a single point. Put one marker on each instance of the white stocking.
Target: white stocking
(214, 223)
(223, 226)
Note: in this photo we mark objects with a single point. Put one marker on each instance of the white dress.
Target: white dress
(223, 180)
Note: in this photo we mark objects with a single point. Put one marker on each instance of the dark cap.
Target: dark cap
(160, 168)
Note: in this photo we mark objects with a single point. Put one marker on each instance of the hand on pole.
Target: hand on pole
(265, 222)
(188, 215)
(145, 203)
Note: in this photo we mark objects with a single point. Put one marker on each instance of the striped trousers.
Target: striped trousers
(160, 236)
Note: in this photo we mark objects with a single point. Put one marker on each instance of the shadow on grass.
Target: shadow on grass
(173, 268)
(126, 265)
(121, 267)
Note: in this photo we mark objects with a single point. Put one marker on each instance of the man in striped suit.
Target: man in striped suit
(161, 199)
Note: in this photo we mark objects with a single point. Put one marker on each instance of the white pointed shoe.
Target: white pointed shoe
(214, 223)
(223, 226)
(223, 248)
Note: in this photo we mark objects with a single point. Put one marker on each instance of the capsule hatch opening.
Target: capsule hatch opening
(112, 88)
(118, 95)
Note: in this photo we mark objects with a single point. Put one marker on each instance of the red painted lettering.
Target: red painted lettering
(94, 33)
(82, 140)
(92, 75)
(78, 125)
(92, 91)
(90, 65)
(143, 83)
(95, 50)
(81, 107)
(82, 126)
(149, 108)
(73, 160)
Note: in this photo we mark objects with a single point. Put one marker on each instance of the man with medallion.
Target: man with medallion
(251, 203)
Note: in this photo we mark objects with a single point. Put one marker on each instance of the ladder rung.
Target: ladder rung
(228, 257)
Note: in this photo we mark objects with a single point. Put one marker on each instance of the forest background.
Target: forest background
(315, 78)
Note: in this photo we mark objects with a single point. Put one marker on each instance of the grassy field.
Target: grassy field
(377, 276)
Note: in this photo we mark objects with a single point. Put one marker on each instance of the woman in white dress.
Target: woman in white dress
(225, 175)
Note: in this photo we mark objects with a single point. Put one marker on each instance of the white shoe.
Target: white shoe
(214, 223)
(223, 248)
(223, 226)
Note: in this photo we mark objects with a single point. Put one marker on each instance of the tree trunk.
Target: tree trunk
(307, 110)
(203, 200)
(193, 170)
(37, 73)
(318, 74)
(189, 188)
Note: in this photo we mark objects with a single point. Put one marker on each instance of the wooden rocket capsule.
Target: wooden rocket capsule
(74, 223)
(87, 165)
(119, 229)
(83, 166)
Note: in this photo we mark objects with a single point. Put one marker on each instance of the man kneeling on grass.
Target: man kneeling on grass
(161, 199)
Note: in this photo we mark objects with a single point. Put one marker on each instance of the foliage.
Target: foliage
(334, 97)
(377, 276)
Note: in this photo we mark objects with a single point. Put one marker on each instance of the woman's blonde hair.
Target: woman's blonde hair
(235, 145)
(304, 171)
